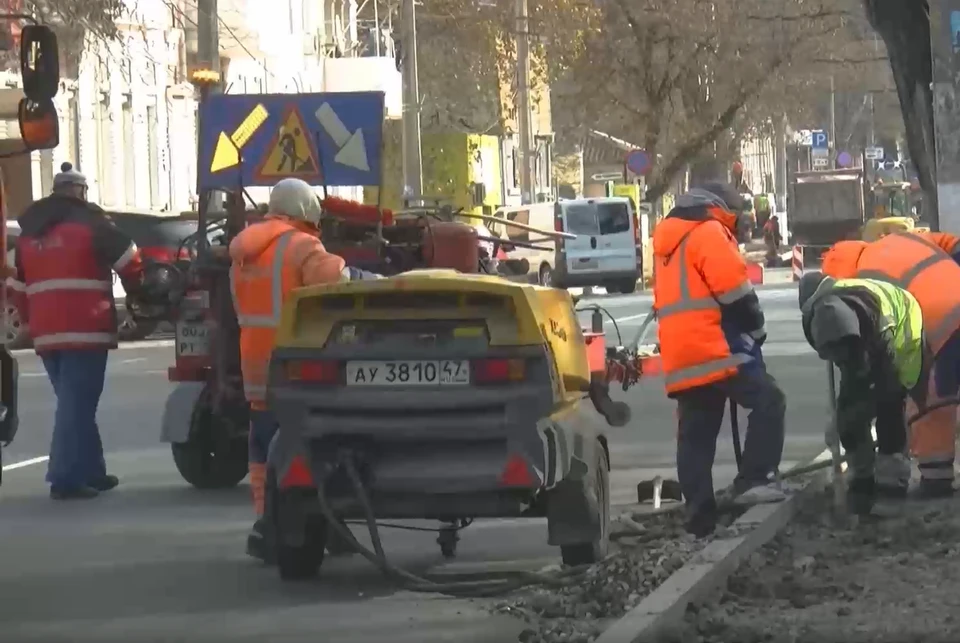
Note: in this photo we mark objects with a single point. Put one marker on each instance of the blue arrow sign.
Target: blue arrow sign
(259, 139)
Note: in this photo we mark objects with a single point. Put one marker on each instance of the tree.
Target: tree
(683, 77)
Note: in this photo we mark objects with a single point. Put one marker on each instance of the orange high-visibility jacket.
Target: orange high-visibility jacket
(916, 263)
(270, 259)
(699, 269)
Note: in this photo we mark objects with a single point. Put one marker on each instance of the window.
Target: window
(104, 173)
(613, 218)
(153, 157)
(582, 219)
(72, 132)
(129, 169)
(516, 234)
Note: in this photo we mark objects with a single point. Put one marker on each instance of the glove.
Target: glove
(355, 274)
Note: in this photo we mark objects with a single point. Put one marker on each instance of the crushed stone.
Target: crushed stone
(639, 562)
(890, 579)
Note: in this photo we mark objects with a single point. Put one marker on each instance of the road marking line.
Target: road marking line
(25, 463)
(155, 343)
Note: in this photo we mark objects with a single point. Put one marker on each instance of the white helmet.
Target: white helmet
(296, 199)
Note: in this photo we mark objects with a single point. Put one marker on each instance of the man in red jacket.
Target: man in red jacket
(63, 288)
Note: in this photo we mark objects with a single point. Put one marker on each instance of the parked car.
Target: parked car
(160, 238)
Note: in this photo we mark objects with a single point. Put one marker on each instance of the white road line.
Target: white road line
(110, 371)
(25, 463)
(156, 343)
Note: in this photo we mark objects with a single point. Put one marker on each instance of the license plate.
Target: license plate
(193, 339)
(409, 373)
(589, 264)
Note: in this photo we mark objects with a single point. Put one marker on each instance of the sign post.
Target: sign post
(819, 149)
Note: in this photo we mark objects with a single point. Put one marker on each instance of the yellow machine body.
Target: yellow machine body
(876, 228)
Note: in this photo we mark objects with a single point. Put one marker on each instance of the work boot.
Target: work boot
(935, 488)
(892, 476)
(259, 543)
(77, 493)
(106, 483)
(861, 495)
(702, 521)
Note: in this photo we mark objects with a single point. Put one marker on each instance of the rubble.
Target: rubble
(653, 548)
(890, 579)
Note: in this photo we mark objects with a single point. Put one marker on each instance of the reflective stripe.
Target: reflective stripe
(702, 370)
(685, 303)
(13, 284)
(734, 294)
(757, 334)
(74, 338)
(939, 334)
(254, 391)
(69, 284)
(126, 257)
(271, 320)
(941, 469)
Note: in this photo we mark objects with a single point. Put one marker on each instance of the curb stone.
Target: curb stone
(665, 607)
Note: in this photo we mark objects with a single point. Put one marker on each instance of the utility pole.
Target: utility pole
(833, 118)
(942, 208)
(523, 102)
(207, 76)
(412, 159)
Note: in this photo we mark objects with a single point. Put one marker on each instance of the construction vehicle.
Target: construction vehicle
(827, 207)
(891, 199)
(39, 130)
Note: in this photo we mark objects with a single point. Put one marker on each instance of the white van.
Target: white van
(607, 251)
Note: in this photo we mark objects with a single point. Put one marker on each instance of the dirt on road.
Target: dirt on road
(891, 580)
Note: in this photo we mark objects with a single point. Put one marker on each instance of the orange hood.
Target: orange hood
(842, 259)
(691, 209)
(254, 240)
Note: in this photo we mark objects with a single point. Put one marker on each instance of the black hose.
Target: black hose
(953, 401)
(606, 312)
(462, 589)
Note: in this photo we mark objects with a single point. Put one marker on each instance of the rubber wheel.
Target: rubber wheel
(131, 330)
(205, 461)
(14, 333)
(545, 276)
(628, 287)
(598, 485)
(299, 562)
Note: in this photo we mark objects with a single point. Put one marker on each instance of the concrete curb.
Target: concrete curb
(707, 570)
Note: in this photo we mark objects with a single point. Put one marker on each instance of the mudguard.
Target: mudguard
(178, 412)
(9, 416)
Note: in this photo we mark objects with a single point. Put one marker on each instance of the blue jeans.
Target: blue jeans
(76, 453)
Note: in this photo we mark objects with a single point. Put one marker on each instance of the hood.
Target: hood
(256, 238)
(842, 259)
(697, 206)
(833, 318)
(49, 211)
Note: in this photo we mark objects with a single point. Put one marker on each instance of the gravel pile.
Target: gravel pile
(893, 579)
(579, 612)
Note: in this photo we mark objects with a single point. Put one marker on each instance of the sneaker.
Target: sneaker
(106, 483)
(258, 543)
(891, 491)
(79, 493)
(763, 494)
(935, 488)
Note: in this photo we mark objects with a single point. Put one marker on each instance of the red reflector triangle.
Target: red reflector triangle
(516, 473)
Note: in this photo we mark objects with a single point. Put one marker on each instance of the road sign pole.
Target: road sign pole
(412, 155)
(208, 57)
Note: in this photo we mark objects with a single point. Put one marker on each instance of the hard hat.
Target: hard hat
(295, 198)
(69, 176)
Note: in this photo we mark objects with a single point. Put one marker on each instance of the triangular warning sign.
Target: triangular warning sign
(291, 153)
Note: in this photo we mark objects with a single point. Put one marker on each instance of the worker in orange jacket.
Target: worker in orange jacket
(924, 264)
(711, 328)
(271, 258)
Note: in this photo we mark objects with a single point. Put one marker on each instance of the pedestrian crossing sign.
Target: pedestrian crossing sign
(291, 153)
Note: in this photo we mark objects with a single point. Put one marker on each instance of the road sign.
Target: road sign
(819, 152)
(820, 161)
(818, 139)
(638, 162)
(246, 136)
(844, 159)
(291, 153)
(874, 153)
(607, 176)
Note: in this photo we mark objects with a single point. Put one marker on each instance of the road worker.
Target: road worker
(269, 259)
(711, 328)
(873, 332)
(63, 288)
(917, 262)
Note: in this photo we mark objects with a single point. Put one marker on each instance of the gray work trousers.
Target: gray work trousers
(700, 415)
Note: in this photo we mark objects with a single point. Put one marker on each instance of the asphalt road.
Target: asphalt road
(156, 560)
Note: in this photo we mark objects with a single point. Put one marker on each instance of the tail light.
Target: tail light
(166, 255)
(298, 474)
(497, 371)
(558, 224)
(313, 371)
(516, 473)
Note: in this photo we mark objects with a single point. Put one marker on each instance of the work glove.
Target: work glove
(355, 274)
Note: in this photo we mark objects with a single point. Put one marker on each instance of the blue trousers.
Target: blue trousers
(76, 453)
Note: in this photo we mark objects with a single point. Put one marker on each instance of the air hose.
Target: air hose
(460, 589)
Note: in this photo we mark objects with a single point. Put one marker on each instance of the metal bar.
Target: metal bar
(521, 226)
(642, 331)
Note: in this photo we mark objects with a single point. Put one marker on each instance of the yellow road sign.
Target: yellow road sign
(227, 152)
(291, 153)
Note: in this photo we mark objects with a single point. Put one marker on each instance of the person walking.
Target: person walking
(63, 288)
(711, 329)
